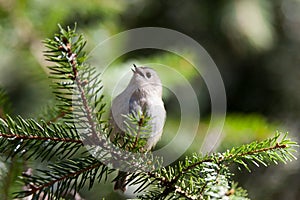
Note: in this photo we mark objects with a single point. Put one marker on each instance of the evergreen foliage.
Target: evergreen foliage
(58, 142)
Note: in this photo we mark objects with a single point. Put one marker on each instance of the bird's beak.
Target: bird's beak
(137, 70)
(134, 68)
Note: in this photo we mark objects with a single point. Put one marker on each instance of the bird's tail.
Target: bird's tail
(121, 181)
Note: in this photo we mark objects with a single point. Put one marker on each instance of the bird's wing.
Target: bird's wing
(137, 103)
(158, 117)
(154, 108)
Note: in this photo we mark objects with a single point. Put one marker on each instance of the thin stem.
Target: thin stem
(34, 188)
(140, 123)
(71, 56)
(202, 190)
(277, 146)
(59, 116)
(222, 159)
(34, 137)
(184, 193)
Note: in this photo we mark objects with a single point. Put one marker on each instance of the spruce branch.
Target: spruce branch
(138, 130)
(272, 150)
(76, 85)
(27, 138)
(205, 177)
(65, 176)
(80, 107)
(77, 118)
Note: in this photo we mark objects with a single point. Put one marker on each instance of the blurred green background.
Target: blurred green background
(254, 43)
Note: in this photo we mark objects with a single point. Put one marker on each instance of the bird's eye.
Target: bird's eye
(148, 74)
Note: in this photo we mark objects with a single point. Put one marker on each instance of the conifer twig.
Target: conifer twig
(71, 56)
(35, 137)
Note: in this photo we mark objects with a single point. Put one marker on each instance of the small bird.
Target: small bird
(142, 95)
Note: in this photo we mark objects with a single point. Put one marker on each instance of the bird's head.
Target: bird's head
(146, 78)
